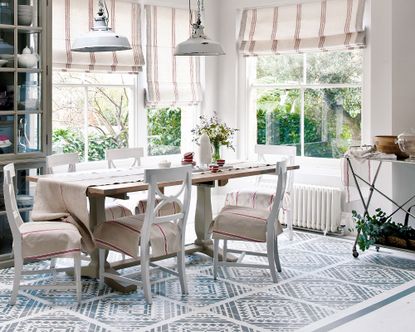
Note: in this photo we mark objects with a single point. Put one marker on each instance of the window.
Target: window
(312, 101)
(164, 130)
(91, 112)
(96, 112)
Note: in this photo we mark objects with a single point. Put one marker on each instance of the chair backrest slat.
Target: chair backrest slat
(12, 210)
(156, 199)
(281, 172)
(54, 160)
(126, 153)
(287, 152)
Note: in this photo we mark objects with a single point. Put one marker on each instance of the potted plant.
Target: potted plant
(219, 134)
(371, 228)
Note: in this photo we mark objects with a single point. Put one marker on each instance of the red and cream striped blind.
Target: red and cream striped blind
(314, 26)
(170, 80)
(73, 18)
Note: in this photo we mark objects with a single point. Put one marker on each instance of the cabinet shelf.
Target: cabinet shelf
(25, 29)
(7, 26)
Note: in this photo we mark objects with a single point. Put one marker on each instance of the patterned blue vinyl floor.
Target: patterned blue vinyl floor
(320, 278)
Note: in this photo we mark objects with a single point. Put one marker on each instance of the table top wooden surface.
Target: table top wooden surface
(198, 178)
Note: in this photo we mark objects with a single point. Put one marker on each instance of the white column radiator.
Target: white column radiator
(316, 207)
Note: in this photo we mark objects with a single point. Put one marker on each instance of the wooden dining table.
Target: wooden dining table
(204, 180)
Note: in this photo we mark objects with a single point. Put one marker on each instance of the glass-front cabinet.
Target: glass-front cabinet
(24, 100)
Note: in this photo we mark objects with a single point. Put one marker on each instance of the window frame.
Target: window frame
(85, 87)
(302, 86)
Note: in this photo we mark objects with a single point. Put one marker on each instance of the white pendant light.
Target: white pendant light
(101, 38)
(198, 44)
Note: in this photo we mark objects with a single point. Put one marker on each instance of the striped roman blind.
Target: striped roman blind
(73, 18)
(323, 25)
(170, 80)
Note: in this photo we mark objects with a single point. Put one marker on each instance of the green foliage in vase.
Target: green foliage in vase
(219, 132)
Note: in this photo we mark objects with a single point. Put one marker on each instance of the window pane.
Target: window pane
(164, 131)
(284, 69)
(279, 117)
(335, 67)
(107, 120)
(29, 130)
(331, 121)
(68, 120)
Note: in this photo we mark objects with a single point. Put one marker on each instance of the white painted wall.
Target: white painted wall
(403, 96)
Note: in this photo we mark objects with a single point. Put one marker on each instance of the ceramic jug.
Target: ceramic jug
(205, 150)
(27, 59)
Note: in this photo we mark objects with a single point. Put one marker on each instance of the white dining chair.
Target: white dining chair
(112, 209)
(39, 241)
(114, 155)
(150, 235)
(240, 223)
(261, 193)
(62, 159)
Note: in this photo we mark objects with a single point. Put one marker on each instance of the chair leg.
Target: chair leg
(77, 268)
(18, 266)
(271, 259)
(215, 258)
(182, 271)
(101, 267)
(53, 267)
(225, 250)
(145, 272)
(277, 256)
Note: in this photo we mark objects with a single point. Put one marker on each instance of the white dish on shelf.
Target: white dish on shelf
(5, 144)
(3, 62)
(25, 19)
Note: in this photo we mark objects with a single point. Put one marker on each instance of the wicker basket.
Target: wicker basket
(411, 244)
(395, 241)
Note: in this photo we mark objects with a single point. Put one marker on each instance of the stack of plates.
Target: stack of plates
(25, 15)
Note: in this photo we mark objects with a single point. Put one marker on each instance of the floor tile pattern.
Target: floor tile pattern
(319, 278)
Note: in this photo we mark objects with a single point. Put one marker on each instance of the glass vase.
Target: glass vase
(216, 152)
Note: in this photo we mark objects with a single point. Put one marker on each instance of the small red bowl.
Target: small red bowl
(220, 162)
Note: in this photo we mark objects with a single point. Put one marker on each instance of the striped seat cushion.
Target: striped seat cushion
(242, 223)
(114, 211)
(167, 209)
(262, 198)
(123, 235)
(41, 240)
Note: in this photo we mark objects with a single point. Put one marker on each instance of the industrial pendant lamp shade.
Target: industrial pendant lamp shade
(198, 44)
(101, 38)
